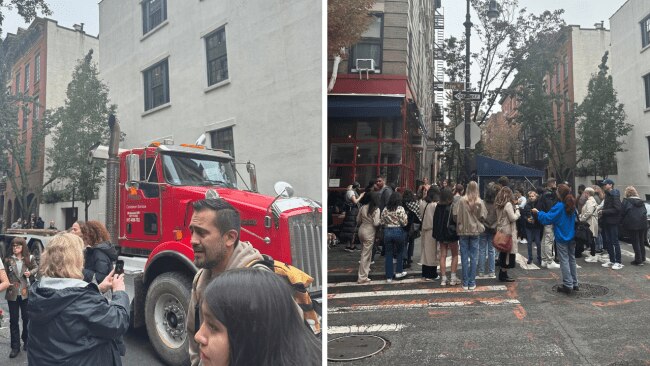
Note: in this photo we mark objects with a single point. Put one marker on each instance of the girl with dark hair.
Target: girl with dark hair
(446, 237)
(485, 248)
(100, 252)
(20, 269)
(429, 253)
(563, 217)
(412, 209)
(368, 221)
(250, 318)
(394, 218)
(507, 216)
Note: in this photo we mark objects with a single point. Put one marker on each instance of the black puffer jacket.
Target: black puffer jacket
(546, 201)
(71, 323)
(99, 261)
(527, 214)
(612, 208)
(634, 214)
(441, 218)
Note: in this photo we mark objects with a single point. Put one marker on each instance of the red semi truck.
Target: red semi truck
(150, 192)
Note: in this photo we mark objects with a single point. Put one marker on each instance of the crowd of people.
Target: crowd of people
(245, 308)
(556, 224)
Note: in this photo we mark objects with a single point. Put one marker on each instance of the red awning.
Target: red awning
(375, 85)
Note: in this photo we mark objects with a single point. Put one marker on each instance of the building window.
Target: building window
(215, 47)
(37, 109)
(565, 66)
(154, 12)
(26, 88)
(645, 31)
(369, 47)
(156, 85)
(17, 83)
(646, 82)
(37, 68)
(25, 120)
(223, 139)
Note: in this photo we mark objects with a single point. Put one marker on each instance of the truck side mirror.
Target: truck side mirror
(250, 167)
(132, 170)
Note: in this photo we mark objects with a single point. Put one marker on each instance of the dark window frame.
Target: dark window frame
(646, 84)
(373, 41)
(17, 83)
(224, 139)
(216, 60)
(27, 72)
(148, 20)
(149, 76)
(645, 31)
(37, 68)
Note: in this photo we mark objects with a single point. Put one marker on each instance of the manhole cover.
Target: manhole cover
(586, 290)
(354, 347)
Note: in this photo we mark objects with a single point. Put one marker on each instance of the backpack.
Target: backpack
(299, 281)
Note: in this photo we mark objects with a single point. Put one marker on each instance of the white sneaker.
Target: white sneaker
(617, 266)
(544, 265)
(443, 281)
(454, 281)
(608, 264)
(400, 275)
(472, 287)
(603, 258)
(553, 265)
(389, 280)
(591, 259)
(480, 275)
(491, 275)
(523, 241)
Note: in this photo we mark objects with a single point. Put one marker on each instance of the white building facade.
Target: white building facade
(246, 74)
(630, 69)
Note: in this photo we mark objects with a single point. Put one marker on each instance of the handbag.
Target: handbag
(502, 242)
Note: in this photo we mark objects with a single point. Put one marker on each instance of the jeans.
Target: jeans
(469, 257)
(534, 235)
(567, 254)
(486, 250)
(409, 248)
(20, 305)
(610, 240)
(394, 240)
(547, 244)
(599, 242)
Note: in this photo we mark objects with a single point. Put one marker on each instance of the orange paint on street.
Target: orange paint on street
(519, 312)
(437, 313)
(647, 277)
(613, 303)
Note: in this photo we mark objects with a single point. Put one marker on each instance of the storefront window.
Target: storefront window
(341, 129)
(341, 153)
(392, 174)
(391, 153)
(367, 130)
(367, 153)
(392, 129)
(366, 174)
(341, 175)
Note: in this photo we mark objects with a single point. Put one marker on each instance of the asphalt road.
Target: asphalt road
(520, 323)
(139, 351)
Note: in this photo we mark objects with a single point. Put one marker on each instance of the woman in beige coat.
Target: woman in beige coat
(429, 255)
(368, 219)
(507, 216)
(589, 214)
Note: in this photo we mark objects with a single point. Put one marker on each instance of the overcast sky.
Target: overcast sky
(66, 12)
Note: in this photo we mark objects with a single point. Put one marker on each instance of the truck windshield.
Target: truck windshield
(196, 170)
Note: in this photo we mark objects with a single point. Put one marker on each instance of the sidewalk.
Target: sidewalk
(343, 266)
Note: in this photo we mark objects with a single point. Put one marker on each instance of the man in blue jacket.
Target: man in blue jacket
(611, 217)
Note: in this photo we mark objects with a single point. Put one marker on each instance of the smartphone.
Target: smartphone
(119, 267)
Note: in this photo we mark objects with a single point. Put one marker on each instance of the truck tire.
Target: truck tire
(166, 307)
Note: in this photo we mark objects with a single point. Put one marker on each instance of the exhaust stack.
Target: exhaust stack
(112, 181)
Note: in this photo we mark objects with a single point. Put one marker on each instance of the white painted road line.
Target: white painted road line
(523, 262)
(443, 304)
(378, 282)
(427, 291)
(369, 328)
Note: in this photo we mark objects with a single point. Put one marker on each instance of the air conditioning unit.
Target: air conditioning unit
(365, 64)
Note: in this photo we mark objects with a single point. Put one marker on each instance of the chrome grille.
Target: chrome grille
(305, 235)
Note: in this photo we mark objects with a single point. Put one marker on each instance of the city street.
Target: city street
(138, 349)
(521, 323)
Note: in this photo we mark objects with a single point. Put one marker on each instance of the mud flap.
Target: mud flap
(137, 306)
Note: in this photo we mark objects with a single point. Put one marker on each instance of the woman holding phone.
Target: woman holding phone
(100, 252)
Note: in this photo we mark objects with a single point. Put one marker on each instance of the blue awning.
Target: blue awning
(360, 107)
(488, 167)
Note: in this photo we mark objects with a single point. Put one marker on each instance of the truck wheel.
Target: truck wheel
(165, 316)
(647, 237)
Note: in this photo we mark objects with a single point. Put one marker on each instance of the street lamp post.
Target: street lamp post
(492, 13)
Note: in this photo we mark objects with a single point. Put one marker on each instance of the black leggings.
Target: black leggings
(511, 258)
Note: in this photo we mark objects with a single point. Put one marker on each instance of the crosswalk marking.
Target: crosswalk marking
(369, 328)
(419, 305)
(427, 291)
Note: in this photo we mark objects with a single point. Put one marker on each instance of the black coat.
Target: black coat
(99, 261)
(634, 214)
(528, 214)
(71, 323)
(612, 208)
(546, 201)
(441, 217)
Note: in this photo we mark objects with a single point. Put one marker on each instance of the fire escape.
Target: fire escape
(438, 83)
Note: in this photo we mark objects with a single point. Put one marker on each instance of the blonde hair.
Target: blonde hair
(63, 257)
(631, 192)
(472, 198)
